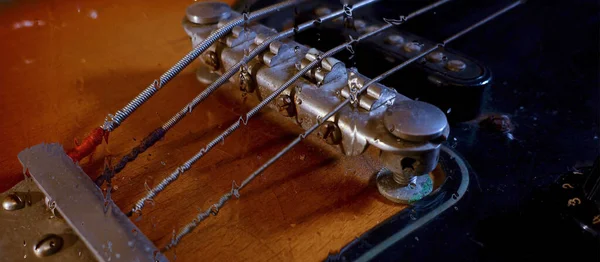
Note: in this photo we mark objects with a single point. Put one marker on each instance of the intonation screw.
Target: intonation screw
(330, 132)
(284, 105)
(246, 80)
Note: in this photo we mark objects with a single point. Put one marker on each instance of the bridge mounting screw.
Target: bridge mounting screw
(49, 244)
(12, 202)
(435, 57)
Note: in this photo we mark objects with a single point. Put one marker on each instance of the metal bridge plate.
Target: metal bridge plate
(107, 232)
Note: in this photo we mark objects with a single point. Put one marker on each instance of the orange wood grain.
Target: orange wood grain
(66, 64)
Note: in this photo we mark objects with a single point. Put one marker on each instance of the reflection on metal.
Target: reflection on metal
(107, 232)
(451, 201)
(207, 12)
(49, 245)
(22, 229)
(325, 84)
(12, 202)
(417, 188)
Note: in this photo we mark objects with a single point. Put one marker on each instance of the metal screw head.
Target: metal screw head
(394, 40)
(415, 120)
(284, 104)
(419, 187)
(12, 202)
(50, 244)
(207, 12)
(412, 47)
(456, 65)
(330, 132)
(435, 57)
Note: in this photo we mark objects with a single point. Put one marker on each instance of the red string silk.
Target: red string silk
(88, 145)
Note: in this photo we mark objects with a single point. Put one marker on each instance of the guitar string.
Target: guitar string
(244, 119)
(187, 109)
(111, 122)
(214, 209)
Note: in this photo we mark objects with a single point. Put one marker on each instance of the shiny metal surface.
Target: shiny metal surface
(49, 245)
(456, 65)
(22, 229)
(207, 12)
(326, 86)
(113, 121)
(435, 57)
(12, 202)
(412, 47)
(315, 120)
(394, 40)
(418, 187)
(415, 121)
(242, 59)
(106, 231)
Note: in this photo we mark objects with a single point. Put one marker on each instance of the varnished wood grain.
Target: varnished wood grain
(66, 64)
